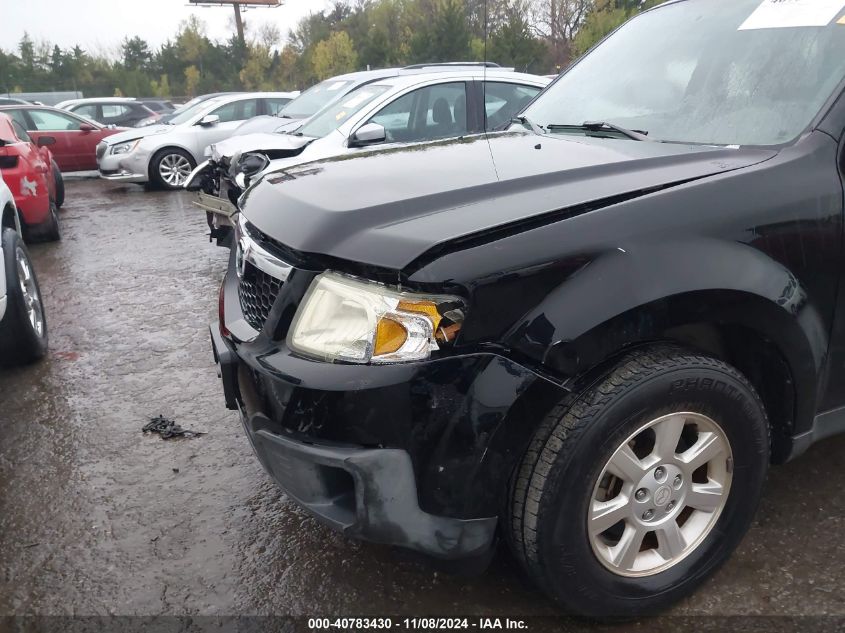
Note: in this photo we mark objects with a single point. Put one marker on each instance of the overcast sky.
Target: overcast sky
(100, 25)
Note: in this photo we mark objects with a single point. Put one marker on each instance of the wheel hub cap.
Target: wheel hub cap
(31, 296)
(660, 494)
(174, 169)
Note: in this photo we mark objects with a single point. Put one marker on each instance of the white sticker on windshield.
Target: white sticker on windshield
(779, 14)
(358, 99)
(337, 85)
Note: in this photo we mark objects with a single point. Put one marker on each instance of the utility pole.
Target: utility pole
(237, 5)
(239, 23)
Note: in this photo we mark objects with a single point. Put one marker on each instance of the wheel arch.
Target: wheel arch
(729, 300)
(10, 219)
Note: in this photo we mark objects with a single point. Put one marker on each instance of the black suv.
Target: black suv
(589, 334)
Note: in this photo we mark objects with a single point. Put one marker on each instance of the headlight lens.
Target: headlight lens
(345, 319)
(251, 163)
(125, 148)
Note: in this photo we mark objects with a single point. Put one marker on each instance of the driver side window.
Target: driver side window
(88, 111)
(426, 114)
(237, 110)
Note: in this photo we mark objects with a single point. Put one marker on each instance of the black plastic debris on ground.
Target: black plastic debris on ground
(168, 429)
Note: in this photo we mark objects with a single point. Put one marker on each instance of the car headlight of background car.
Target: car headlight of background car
(346, 319)
(251, 163)
(125, 147)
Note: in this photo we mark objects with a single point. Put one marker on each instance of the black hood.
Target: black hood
(388, 207)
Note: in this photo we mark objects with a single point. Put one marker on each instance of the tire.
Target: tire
(567, 473)
(20, 341)
(60, 185)
(49, 230)
(175, 161)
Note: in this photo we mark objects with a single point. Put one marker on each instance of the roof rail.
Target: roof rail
(447, 64)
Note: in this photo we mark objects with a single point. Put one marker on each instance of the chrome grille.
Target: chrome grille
(257, 292)
(101, 150)
(261, 274)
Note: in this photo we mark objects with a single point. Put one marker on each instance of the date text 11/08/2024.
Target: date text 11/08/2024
(416, 623)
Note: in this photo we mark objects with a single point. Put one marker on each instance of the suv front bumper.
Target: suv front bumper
(367, 493)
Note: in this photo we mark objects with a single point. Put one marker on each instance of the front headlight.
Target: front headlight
(252, 163)
(125, 148)
(350, 320)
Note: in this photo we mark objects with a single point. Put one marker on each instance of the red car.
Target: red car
(31, 173)
(76, 137)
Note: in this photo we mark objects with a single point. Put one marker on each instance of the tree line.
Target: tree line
(539, 36)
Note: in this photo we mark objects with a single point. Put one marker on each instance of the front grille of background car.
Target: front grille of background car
(257, 292)
(101, 150)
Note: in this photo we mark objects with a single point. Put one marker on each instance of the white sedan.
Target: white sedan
(165, 155)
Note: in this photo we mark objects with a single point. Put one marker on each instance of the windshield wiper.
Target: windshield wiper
(601, 126)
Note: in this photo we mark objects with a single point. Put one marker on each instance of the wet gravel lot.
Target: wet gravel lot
(97, 519)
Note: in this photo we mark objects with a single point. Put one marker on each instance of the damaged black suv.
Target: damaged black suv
(588, 334)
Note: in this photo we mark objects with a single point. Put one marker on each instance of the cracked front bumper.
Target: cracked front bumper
(131, 167)
(367, 493)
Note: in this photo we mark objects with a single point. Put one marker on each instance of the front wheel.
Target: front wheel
(23, 328)
(170, 168)
(630, 497)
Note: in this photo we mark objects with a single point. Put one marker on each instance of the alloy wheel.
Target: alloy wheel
(660, 494)
(174, 169)
(31, 296)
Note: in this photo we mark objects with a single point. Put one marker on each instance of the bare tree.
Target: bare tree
(558, 22)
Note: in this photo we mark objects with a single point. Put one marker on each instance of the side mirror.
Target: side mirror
(209, 119)
(86, 127)
(46, 141)
(367, 135)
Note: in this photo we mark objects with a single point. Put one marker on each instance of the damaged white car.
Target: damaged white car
(419, 104)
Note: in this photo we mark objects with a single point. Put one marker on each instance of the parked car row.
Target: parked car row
(77, 135)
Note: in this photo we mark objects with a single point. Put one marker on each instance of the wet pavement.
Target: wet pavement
(97, 518)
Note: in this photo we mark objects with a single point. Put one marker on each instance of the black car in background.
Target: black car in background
(118, 112)
(589, 334)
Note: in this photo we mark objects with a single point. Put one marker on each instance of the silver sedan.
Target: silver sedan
(166, 154)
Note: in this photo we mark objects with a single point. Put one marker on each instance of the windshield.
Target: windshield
(189, 113)
(314, 99)
(722, 72)
(192, 103)
(333, 116)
